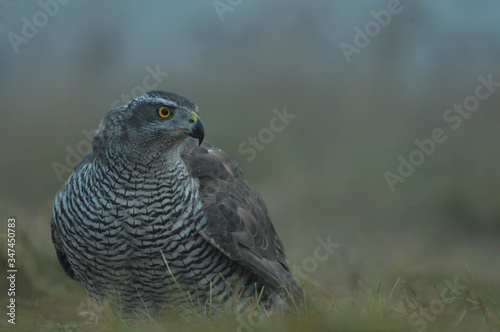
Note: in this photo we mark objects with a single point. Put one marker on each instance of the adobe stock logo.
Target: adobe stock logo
(421, 315)
(454, 117)
(73, 156)
(225, 6)
(363, 37)
(310, 264)
(300, 273)
(30, 28)
(266, 135)
(150, 81)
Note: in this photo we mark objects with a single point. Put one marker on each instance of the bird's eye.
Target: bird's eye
(164, 112)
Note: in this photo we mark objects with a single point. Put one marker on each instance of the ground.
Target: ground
(346, 294)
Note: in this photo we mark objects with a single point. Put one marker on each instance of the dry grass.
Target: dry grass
(402, 312)
(346, 297)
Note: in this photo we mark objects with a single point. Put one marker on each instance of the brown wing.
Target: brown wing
(238, 222)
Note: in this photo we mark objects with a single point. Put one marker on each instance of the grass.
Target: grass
(346, 296)
(466, 308)
(403, 312)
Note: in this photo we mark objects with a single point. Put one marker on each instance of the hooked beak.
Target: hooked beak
(196, 128)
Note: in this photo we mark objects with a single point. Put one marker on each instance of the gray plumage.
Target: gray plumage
(148, 193)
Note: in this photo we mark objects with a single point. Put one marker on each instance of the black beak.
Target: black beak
(196, 130)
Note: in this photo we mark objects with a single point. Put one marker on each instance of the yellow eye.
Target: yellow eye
(164, 112)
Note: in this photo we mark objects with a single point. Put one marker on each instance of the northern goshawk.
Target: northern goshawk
(153, 216)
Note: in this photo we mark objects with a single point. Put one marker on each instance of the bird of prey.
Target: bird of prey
(154, 217)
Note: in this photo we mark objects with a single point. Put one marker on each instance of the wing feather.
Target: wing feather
(238, 221)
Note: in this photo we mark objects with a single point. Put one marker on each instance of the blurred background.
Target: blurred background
(361, 80)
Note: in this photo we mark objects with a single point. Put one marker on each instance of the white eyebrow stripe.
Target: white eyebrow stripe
(155, 100)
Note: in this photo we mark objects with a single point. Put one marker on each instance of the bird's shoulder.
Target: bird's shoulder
(238, 223)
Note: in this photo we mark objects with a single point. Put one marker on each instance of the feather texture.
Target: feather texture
(149, 194)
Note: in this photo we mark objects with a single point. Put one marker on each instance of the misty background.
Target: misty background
(323, 174)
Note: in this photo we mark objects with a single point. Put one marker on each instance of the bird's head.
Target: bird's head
(155, 121)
